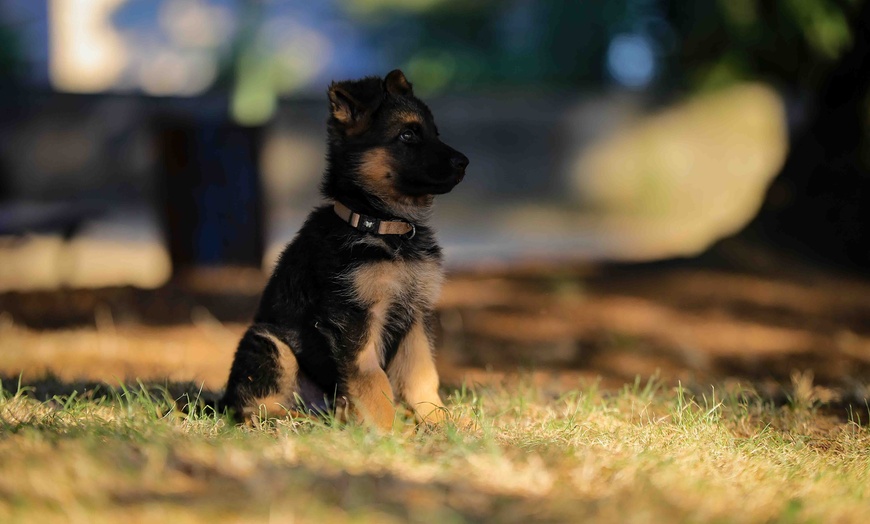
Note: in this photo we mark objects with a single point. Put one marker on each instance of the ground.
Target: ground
(615, 394)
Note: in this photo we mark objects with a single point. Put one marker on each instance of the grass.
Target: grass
(648, 453)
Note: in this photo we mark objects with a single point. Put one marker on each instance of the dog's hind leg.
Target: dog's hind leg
(414, 377)
(264, 378)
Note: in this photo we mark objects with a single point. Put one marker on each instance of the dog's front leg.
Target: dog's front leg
(414, 377)
(369, 389)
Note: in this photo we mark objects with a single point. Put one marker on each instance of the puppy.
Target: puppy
(345, 318)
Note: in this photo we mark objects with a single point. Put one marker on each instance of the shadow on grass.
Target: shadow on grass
(184, 396)
(698, 325)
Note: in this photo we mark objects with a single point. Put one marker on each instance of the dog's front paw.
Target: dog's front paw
(442, 417)
(431, 414)
(465, 423)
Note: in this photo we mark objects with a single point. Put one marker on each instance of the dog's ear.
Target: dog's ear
(396, 84)
(352, 104)
(343, 105)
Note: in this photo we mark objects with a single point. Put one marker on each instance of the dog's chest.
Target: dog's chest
(412, 285)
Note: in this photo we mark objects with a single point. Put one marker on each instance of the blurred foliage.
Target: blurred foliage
(10, 53)
(254, 98)
(698, 45)
(788, 42)
(531, 44)
(564, 42)
(489, 42)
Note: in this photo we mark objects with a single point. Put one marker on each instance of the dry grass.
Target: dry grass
(554, 445)
(646, 454)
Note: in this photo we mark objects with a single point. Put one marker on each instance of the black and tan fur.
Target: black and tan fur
(345, 318)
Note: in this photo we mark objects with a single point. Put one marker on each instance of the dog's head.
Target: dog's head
(383, 144)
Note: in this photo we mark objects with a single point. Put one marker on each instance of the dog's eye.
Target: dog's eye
(408, 136)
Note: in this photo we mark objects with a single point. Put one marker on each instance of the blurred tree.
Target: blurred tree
(494, 43)
(10, 60)
(10, 65)
(818, 52)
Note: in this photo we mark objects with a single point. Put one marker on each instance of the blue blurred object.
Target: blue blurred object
(210, 182)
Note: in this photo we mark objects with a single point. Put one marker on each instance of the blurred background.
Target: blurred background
(655, 185)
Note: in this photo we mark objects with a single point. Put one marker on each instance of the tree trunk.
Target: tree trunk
(818, 204)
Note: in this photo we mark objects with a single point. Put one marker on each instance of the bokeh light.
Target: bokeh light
(87, 54)
(631, 61)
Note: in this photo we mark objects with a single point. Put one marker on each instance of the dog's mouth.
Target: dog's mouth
(436, 187)
(440, 188)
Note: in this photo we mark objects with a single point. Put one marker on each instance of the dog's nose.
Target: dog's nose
(459, 162)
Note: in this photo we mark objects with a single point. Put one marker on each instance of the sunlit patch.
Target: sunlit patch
(87, 53)
(120, 250)
(689, 174)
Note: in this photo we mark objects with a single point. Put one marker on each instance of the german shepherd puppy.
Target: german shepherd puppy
(345, 318)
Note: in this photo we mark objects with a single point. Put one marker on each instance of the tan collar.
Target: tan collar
(369, 224)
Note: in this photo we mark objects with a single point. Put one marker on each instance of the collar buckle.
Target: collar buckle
(368, 224)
